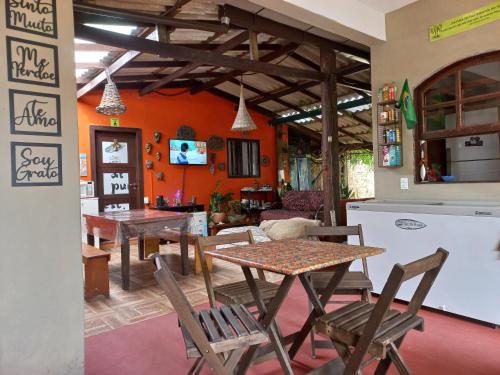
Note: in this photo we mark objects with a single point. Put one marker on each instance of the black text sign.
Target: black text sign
(34, 113)
(32, 16)
(36, 164)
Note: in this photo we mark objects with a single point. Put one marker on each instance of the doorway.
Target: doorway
(117, 167)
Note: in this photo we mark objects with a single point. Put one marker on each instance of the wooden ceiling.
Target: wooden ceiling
(278, 62)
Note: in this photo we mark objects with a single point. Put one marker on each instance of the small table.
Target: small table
(121, 226)
(185, 208)
(291, 258)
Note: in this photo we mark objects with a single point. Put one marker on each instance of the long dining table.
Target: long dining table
(122, 226)
(293, 259)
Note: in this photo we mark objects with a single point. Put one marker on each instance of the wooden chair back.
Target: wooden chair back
(185, 312)
(352, 230)
(202, 243)
(429, 266)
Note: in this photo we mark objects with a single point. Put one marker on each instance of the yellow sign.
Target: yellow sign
(115, 122)
(467, 21)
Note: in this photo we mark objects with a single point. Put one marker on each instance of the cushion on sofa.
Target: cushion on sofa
(303, 200)
(287, 229)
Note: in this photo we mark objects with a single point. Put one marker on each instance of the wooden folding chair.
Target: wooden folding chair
(218, 336)
(362, 328)
(238, 292)
(353, 283)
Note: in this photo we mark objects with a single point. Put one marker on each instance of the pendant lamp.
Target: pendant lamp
(111, 103)
(243, 122)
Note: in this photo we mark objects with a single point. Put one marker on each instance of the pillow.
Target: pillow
(287, 229)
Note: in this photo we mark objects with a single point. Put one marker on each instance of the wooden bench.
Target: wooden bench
(96, 271)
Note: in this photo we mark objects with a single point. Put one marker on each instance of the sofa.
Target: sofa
(306, 204)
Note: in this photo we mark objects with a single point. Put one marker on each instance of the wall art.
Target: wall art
(32, 62)
(32, 16)
(34, 113)
(36, 164)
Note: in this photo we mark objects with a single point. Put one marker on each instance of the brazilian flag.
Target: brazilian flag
(406, 105)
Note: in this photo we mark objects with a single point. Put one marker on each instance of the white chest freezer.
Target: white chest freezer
(469, 283)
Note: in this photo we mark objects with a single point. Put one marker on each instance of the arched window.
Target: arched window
(458, 132)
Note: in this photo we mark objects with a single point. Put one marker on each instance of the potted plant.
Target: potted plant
(218, 204)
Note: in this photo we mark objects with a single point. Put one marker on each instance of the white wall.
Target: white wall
(41, 298)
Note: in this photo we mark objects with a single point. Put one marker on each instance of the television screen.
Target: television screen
(184, 152)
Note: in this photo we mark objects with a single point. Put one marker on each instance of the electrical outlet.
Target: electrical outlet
(404, 183)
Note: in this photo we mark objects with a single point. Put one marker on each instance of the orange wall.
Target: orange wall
(206, 114)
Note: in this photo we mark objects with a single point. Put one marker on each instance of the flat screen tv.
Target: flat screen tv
(183, 152)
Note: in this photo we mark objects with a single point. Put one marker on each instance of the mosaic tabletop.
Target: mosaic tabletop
(293, 257)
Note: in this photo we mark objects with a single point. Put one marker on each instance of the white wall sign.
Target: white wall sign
(114, 153)
(32, 62)
(117, 207)
(32, 16)
(115, 183)
(34, 113)
(36, 164)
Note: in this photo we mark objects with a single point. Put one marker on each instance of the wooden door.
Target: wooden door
(117, 167)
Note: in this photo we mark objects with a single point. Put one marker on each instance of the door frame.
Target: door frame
(138, 136)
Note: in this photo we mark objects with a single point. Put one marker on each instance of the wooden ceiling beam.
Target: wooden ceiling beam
(115, 66)
(156, 64)
(237, 40)
(288, 83)
(153, 77)
(352, 69)
(261, 93)
(147, 18)
(225, 95)
(354, 84)
(266, 58)
(283, 92)
(176, 8)
(254, 22)
(183, 53)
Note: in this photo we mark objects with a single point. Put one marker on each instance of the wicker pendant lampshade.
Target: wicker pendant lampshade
(111, 103)
(243, 122)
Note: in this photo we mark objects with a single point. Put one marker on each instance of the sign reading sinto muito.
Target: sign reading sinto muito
(467, 21)
(36, 164)
(34, 113)
(32, 16)
(32, 62)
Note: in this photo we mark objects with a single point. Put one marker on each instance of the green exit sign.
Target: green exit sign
(115, 122)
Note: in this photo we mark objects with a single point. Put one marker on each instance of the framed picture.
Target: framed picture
(36, 164)
(32, 16)
(32, 62)
(34, 113)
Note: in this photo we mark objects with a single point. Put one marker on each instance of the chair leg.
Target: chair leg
(384, 364)
(313, 344)
(233, 359)
(197, 366)
(398, 360)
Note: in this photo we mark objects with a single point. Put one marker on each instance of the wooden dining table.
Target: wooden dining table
(292, 259)
(122, 226)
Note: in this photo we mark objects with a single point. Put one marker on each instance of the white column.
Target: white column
(41, 289)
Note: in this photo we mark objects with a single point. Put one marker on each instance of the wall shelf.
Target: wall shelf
(389, 135)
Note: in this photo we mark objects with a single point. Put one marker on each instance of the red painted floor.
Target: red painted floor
(448, 346)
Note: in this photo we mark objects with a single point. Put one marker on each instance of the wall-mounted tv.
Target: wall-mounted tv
(183, 152)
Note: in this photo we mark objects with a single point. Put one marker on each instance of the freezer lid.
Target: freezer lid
(458, 208)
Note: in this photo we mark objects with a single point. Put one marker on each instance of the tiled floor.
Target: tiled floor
(145, 300)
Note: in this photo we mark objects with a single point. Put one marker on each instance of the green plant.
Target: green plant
(345, 191)
(218, 201)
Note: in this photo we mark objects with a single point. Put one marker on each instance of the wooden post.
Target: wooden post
(329, 140)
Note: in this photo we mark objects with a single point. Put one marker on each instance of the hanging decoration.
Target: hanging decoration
(215, 143)
(185, 132)
(265, 161)
(243, 122)
(157, 137)
(158, 156)
(149, 164)
(148, 147)
(111, 103)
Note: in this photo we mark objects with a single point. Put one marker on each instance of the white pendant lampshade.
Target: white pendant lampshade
(243, 122)
(111, 103)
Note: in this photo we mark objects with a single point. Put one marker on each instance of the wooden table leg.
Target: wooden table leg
(184, 249)
(140, 246)
(318, 305)
(125, 253)
(267, 318)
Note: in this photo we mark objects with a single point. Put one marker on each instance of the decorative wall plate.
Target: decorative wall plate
(221, 166)
(264, 161)
(149, 164)
(215, 143)
(159, 176)
(185, 132)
